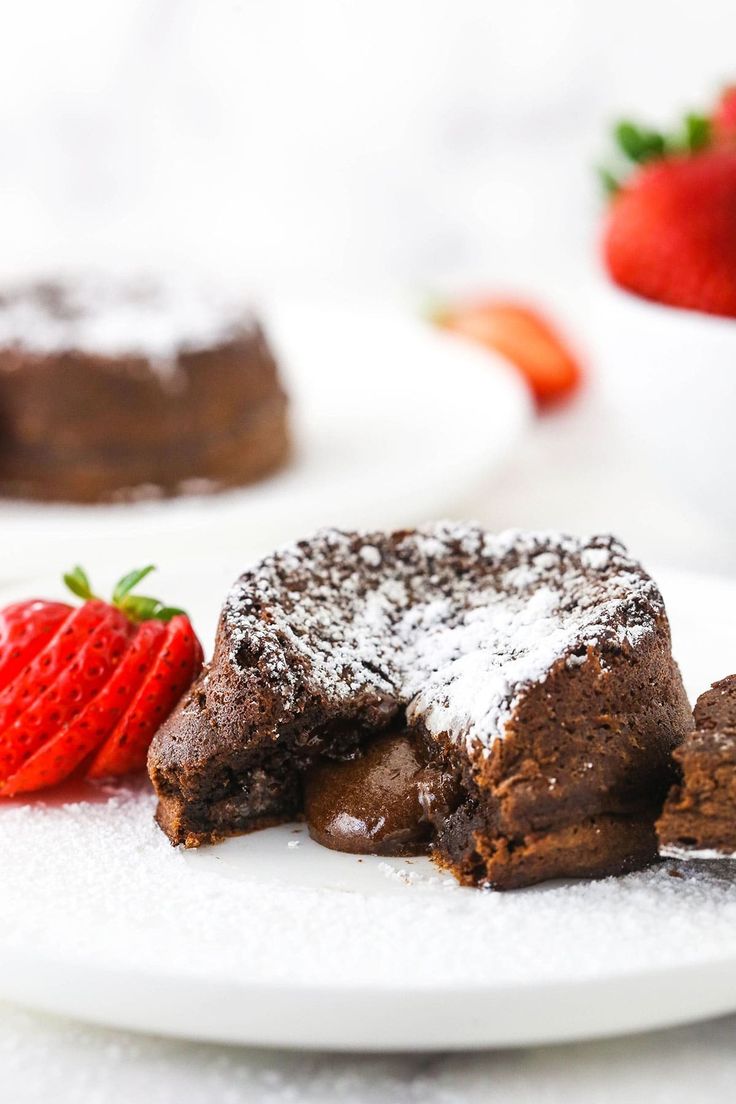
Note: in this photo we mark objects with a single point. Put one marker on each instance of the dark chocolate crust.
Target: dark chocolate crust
(570, 781)
(700, 811)
(78, 427)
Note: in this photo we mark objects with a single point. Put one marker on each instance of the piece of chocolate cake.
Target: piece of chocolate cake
(508, 702)
(111, 392)
(699, 816)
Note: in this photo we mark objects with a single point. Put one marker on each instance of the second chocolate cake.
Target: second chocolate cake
(111, 391)
(699, 816)
(508, 702)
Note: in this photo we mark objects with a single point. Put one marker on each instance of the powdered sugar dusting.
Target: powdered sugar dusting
(99, 883)
(98, 316)
(450, 622)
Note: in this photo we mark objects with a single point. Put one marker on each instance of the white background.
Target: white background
(381, 143)
(408, 148)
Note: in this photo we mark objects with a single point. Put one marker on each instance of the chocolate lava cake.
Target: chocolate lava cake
(699, 816)
(111, 392)
(507, 702)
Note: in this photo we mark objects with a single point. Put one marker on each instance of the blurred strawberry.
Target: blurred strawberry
(670, 235)
(99, 675)
(522, 336)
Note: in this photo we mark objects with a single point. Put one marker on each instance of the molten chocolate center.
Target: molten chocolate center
(378, 804)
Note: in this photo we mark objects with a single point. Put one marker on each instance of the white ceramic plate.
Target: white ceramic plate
(394, 422)
(269, 939)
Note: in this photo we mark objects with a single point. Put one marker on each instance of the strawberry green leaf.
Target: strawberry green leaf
(129, 581)
(697, 132)
(639, 143)
(138, 607)
(78, 583)
(167, 612)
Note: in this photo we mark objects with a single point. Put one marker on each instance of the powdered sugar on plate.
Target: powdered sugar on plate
(98, 884)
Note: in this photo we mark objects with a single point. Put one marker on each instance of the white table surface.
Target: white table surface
(46, 1059)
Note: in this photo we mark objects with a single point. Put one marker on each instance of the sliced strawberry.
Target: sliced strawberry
(63, 753)
(525, 338)
(63, 697)
(35, 679)
(26, 628)
(172, 673)
(74, 681)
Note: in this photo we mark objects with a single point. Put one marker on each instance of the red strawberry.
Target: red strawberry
(671, 233)
(724, 119)
(61, 650)
(81, 677)
(171, 674)
(671, 230)
(25, 628)
(85, 682)
(63, 753)
(525, 338)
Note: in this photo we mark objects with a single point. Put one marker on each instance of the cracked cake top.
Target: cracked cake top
(448, 622)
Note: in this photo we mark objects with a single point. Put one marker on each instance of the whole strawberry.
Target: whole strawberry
(88, 685)
(670, 234)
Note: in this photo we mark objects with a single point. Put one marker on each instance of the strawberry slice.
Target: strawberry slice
(35, 679)
(173, 670)
(525, 338)
(63, 697)
(26, 628)
(62, 754)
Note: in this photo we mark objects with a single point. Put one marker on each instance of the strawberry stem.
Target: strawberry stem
(610, 182)
(435, 310)
(637, 145)
(137, 607)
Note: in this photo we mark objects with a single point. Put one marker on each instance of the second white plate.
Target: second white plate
(394, 422)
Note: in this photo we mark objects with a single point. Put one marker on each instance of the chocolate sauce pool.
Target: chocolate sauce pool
(379, 804)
